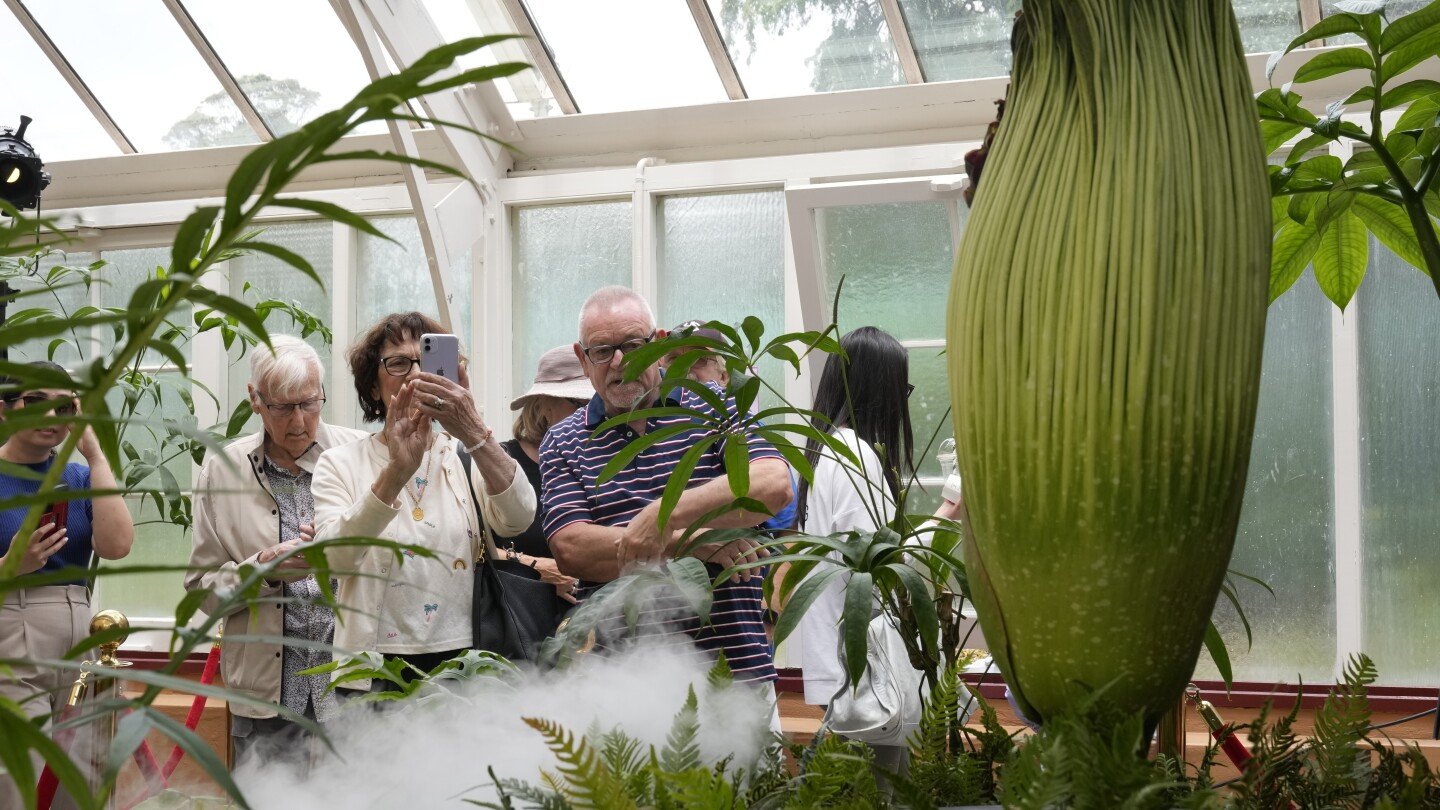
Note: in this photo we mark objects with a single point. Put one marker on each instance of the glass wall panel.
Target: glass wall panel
(148, 596)
(611, 61)
(124, 271)
(64, 129)
(929, 407)
(1286, 533)
(125, 52)
(270, 278)
(66, 293)
(1267, 25)
(1399, 332)
(722, 257)
(794, 49)
(895, 259)
(395, 278)
(563, 253)
(308, 64)
(961, 39)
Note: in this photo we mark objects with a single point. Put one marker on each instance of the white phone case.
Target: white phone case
(440, 354)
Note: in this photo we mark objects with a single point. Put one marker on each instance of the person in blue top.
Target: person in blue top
(46, 621)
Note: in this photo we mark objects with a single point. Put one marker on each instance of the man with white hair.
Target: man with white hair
(252, 501)
(597, 531)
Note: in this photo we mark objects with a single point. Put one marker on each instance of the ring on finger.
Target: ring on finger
(439, 403)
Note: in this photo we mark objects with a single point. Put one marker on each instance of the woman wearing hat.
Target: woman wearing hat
(560, 389)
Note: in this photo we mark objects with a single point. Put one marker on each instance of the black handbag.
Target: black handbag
(514, 611)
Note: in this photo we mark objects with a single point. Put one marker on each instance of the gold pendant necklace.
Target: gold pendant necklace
(421, 484)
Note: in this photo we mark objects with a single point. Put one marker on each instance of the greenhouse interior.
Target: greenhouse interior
(646, 404)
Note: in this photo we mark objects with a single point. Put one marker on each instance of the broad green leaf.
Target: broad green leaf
(754, 330)
(1334, 62)
(680, 477)
(1291, 253)
(1361, 7)
(198, 750)
(1302, 206)
(1333, 205)
(737, 464)
(1306, 145)
(640, 444)
(1277, 133)
(1391, 226)
(693, 582)
(1408, 92)
(1405, 28)
(21, 737)
(334, 212)
(1400, 145)
(1320, 167)
(1417, 49)
(801, 597)
(1341, 258)
(289, 257)
(1328, 28)
(855, 624)
(1420, 114)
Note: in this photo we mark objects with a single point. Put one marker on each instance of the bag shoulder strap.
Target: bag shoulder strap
(465, 462)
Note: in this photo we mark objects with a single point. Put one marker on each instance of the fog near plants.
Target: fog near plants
(434, 751)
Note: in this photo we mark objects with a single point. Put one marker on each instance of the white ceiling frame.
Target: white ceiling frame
(540, 54)
(715, 44)
(71, 77)
(217, 66)
(904, 45)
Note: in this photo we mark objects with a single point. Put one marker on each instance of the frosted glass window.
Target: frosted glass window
(125, 270)
(1286, 528)
(562, 254)
(149, 596)
(961, 39)
(66, 294)
(929, 407)
(722, 257)
(269, 278)
(896, 260)
(145, 71)
(628, 54)
(63, 129)
(795, 49)
(1399, 334)
(525, 93)
(308, 65)
(396, 278)
(1267, 25)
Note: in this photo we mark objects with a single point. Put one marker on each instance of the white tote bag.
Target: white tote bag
(884, 709)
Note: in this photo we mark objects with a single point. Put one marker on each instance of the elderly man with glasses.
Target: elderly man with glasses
(596, 531)
(253, 504)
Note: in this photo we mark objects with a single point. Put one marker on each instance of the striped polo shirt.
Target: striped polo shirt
(570, 464)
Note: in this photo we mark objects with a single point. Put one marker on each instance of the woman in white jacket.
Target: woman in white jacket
(407, 484)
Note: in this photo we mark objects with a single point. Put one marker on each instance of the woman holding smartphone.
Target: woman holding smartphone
(46, 621)
(407, 483)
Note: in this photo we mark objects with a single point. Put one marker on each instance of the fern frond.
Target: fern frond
(720, 677)
(931, 740)
(681, 752)
(587, 783)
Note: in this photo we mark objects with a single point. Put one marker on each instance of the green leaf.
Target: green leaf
(198, 750)
(1409, 26)
(802, 596)
(1417, 49)
(288, 256)
(191, 236)
(1215, 645)
(1420, 114)
(1341, 258)
(1292, 252)
(1391, 226)
(855, 623)
(1302, 206)
(1320, 167)
(754, 330)
(737, 464)
(1334, 62)
(393, 157)
(638, 445)
(21, 737)
(1408, 92)
(680, 477)
(1307, 145)
(1328, 28)
(338, 213)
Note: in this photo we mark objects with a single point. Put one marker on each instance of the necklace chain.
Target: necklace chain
(421, 485)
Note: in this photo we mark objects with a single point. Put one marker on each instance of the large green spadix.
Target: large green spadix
(1106, 323)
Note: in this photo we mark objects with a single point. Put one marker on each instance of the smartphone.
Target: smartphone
(440, 355)
(57, 513)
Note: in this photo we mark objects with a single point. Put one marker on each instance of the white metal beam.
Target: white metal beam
(540, 54)
(904, 45)
(437, 258)
(217, 66)
(715, 44)
(71, 77)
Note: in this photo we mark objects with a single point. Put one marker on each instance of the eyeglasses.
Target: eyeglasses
(601, 355)
(65, 407)
(398, 365)
(287, 408)
(909, 389)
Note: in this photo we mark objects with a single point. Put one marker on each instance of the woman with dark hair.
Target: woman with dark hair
(863, 400)
(47, 621)
(408, 483)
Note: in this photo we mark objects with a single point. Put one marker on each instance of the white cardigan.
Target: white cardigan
(345, 506)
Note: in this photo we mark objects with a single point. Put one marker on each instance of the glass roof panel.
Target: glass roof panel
(525, 94)
(293, 72)
(138, 62)
(64, 129)
(796, 48)
(628, 54)
(961, 39)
